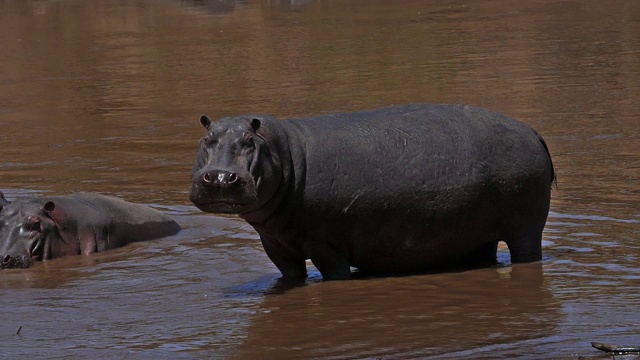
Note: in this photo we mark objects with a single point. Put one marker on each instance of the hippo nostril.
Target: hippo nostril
(219, 178)
(6, 259)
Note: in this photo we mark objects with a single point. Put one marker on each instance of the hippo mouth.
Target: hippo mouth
(36, 249)
(222, 206)
(227, 202)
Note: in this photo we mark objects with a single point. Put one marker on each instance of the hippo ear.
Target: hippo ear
(49, 206)
(53, 212)
(61, 220)
(204, 120)
(3, 201)
(255, 124)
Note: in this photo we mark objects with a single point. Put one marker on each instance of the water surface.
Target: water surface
(105, 96)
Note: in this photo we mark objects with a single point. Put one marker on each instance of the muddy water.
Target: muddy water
(105, 96)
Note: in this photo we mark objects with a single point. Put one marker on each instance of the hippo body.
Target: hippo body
(81, 223)
(404, 189)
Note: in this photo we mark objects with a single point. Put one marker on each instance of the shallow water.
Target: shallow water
(105, 96)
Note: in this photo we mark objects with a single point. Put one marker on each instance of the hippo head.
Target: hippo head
(237, 169)
(27, 230)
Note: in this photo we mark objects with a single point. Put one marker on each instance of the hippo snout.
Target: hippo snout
(223, 191)
(219, 178)
(9, 262)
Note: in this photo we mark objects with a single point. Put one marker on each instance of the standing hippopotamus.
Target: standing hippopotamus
(403, 189)
(81, 223)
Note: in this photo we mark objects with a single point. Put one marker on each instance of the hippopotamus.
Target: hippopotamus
(405, 189)
(36, 228)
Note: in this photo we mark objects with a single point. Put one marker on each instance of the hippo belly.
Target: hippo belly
(378, 240)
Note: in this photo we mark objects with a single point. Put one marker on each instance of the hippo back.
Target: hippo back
(124, 222)
(442, 154)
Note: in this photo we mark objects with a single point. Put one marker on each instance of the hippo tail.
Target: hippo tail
(554, 179)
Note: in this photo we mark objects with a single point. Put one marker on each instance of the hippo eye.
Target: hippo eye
(34, 225)
(247, 141)
(209, 141)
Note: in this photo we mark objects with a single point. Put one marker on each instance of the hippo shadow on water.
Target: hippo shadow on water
(274, 284)
(213, 7)
(409, 316)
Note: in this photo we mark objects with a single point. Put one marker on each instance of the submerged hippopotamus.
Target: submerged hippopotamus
(81, 223)
(404, 189)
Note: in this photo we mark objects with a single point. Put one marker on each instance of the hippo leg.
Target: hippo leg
(526, 247)
(525, 241)
(292, 266)
(523, 230)
(483, 255)
(331, 263)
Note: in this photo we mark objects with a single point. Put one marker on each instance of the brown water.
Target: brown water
(105, 96)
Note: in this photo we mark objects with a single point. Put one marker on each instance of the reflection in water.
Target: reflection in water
(105, 96)
(406, 317)
(214, 7)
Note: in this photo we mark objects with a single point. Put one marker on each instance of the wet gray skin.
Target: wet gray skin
(82, 223)
(404, 189)
(26, 230)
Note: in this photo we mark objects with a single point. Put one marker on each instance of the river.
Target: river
(106, 96)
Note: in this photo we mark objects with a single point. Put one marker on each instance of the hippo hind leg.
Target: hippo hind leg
(524, 241)
(523, 234)
(525, 220)
(525, 248)
(484, 255)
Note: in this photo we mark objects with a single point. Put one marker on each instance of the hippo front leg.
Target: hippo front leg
(291, 265)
